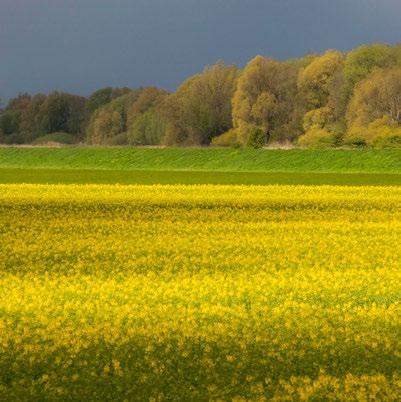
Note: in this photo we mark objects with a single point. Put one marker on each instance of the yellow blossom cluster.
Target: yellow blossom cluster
(192, 293)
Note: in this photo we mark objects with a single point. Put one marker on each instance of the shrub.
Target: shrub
(227, 139)
(388, 138)
(356, 137)
(119, 139)
(14, 139)
(257, 138)
(317, 138)
(381, 133)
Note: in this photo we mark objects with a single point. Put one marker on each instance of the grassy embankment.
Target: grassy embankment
(199, 166)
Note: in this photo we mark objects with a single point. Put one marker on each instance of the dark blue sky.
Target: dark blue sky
(82, 45)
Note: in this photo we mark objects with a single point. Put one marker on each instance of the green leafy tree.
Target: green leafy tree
(103, 96)
(62, 112)
(360, 62)
(147, 129)
(150, 98)
(116, 122)
(30, 127)
(257, 138)
(10, 119)
(145, 120)
(10, 122)
(108, 121)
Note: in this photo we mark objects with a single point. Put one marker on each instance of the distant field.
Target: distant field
(79, 176)
(199, 166)
(242, 160)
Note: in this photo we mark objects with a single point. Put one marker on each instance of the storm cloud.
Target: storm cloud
(81, 45)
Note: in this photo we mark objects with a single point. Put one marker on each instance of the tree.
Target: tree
(10, 122)
(318, 118)
(108, 121)
(10, 118)
(377, 96)
(321, 85)
(315, 81)
(30, 119)
(360, 62)
(265, 97)
(62, 112)
(103, 96)
(117, 120)
(374, 112)
(147, 129)
(146, 125)
(201, 108)
(147, 98)
(325, 98)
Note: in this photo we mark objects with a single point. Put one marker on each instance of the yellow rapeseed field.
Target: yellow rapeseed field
(196, 293)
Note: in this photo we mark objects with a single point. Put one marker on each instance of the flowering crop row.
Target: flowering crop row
(200, 293)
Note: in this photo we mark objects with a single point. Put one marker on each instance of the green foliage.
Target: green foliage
(30, 118)
(103, 96)
(360, 62)
(27, 117)
(356, 137)
(108, 121)
(128, 115)
(390, 138)
(147, 129)
(257, 138)
(10, 121)
(99, 98)
(62, 112)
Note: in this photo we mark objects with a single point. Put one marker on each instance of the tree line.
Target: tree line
(320, 100)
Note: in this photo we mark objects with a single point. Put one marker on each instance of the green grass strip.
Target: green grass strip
(208, 159)
(65, 176)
